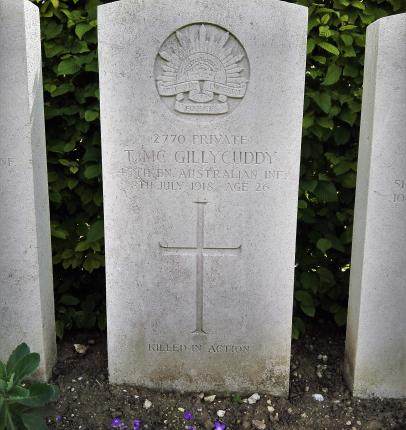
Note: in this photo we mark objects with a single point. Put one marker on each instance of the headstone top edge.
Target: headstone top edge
(385, 20)
(111, 6)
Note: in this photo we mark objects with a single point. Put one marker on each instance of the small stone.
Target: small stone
(374, 425)
(271, 409)
(253, 399)
(260, 425)
(79, 348)
(269, 402)
(318, 397)
(319, 374)
(181, 409)
(201, 396)
(290, 411)
(348, 423)
(147, 404)
(304, 415)
(307, 388)
(210, 398)
(221, 413)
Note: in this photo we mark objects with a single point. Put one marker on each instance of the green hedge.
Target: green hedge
(330, 135)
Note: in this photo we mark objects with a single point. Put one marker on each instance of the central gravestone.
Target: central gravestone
(201, 111)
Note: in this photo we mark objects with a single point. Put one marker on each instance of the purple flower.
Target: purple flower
(188, 416)
(136, 424)
(191, 428)
(116, 423)
(219, 426)
(58, 419)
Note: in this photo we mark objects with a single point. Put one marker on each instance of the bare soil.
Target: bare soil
(89, 402)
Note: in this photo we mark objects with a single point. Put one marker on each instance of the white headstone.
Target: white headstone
(201, 110)
(26, 290)
(375, 362)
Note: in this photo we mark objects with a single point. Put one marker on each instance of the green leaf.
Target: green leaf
(82, 28)
(323, 100)
(55, 3)
(25, 366)
(33, 422)
(304, 297)
(39, 395)
(96, 231)
(333, 74)
(21, 351)
(3, 371)
(324, 245)
(325, 122)
(340, 316)
(91, 115)
(309, 281)
(92, 171)
(68, 67)
(329, 47)
(310, 311)
(3, 413)
(326, 192)
(18, 393)
(69, 300)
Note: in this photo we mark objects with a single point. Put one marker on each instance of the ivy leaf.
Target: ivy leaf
(324, 245)
(333, 74)
(82, 28)
(69, 300)
(96, 231)
(91, 115)
(326, 192)
(329, 47)
(68, 67)
(323, 100)
(92, 171)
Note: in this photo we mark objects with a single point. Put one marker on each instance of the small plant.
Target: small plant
(22, 404)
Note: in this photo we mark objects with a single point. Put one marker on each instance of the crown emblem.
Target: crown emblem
(202, 69)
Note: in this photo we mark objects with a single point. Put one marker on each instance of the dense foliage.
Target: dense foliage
(22, 403)
(330, 135)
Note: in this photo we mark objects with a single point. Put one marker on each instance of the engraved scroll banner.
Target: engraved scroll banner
(202, 94)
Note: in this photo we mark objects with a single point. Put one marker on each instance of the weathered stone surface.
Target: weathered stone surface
(201, 110)
(376, 334)
(26, 292)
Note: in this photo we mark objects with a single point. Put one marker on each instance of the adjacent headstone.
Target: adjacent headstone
(375, 361)
(26, 291)
(201, 111)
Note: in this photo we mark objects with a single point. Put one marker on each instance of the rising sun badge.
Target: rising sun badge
(204, 68)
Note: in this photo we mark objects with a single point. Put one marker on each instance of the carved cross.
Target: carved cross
(200, 251)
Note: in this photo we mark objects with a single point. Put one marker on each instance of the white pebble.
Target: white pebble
(318, 397)
(271, 409)
(253, 399)
(147, 404)
(210, 398)
(221, 413)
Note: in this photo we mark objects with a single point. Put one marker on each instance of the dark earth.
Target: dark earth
(88, 402)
